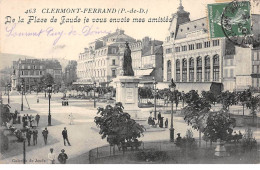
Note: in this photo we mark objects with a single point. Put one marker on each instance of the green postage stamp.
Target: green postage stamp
(229, 20)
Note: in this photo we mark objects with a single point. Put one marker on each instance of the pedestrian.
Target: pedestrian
(166, 123)
(51, 157)
(71, 119)
(45, 135)
(62, 157)
(23, 120)
(31, 120)
(37, 118)
(28, 136)
(159, 117)
(35, 136)
(27, 117)
(37, 99)
(65, 136)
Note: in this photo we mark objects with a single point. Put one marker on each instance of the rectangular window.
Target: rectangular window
(255, 69)
(191, 47)
(113, 62)
(225, 72)
(113, 50)
(113, 73)
(255, 56)
(177, 49)
(231, 73)
(215, 42)
(198, 45)
(184, 48)
(207, 44)
(22, 66)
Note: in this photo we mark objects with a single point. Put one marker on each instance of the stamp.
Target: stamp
(233, 21)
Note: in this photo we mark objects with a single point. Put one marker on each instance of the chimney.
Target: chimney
(152, 47)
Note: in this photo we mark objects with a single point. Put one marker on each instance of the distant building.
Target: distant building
(147, 59)
(31, 70)
(196, 62)
(101, 59)
(70, 73)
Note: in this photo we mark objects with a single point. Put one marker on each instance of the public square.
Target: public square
(83, 133)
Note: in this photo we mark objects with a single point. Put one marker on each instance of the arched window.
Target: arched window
(191, 70)
(178, 74)
(169, 70)
(184, 70)
(207, 68)
(216, 67)
(199, 69)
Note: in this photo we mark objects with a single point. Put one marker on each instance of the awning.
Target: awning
(82, 83)
(146, 72)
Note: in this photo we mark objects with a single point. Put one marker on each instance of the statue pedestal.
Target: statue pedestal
(127, 94)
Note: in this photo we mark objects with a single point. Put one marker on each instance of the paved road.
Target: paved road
(83, 135)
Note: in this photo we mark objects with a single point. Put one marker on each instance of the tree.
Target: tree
(218, 126)
(244, 98)
(209, 96)
(226, 98)
(254, 104)
(117, 126)
(196, 112)
(46, 80)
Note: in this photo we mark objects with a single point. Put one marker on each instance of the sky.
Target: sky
(70, 43)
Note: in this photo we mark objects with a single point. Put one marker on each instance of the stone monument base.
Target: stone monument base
(127, 94)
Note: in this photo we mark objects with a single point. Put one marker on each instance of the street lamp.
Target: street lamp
(8, 89)
(172, 87)
(24, 147)
(95, 94)
(22, 86)
(49, 89)
(155, 92)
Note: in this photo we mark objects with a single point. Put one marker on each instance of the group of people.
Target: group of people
(32, 133)
(30, 120)
(62, 158)
(151, 120)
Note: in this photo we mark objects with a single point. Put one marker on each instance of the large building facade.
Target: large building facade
(31, 70)
(100, 61)
(147, 59)
(197, 62)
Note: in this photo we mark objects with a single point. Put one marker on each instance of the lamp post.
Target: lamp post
(22, 85)
(172, 87)
(24, 148)
(49, 89)
(95, 94)
(8, 89)
(155, 92)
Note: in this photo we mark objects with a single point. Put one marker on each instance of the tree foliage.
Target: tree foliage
(46, 80)
(219, 126)
(117, 126)
(196, 111)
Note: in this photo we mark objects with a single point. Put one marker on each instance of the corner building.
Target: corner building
(197, 62)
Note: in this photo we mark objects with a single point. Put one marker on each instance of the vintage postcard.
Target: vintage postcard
(130, 82)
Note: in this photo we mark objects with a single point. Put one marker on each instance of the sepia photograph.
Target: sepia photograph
(129, 82)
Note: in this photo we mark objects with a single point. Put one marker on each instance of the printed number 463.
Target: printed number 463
(30, 11)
